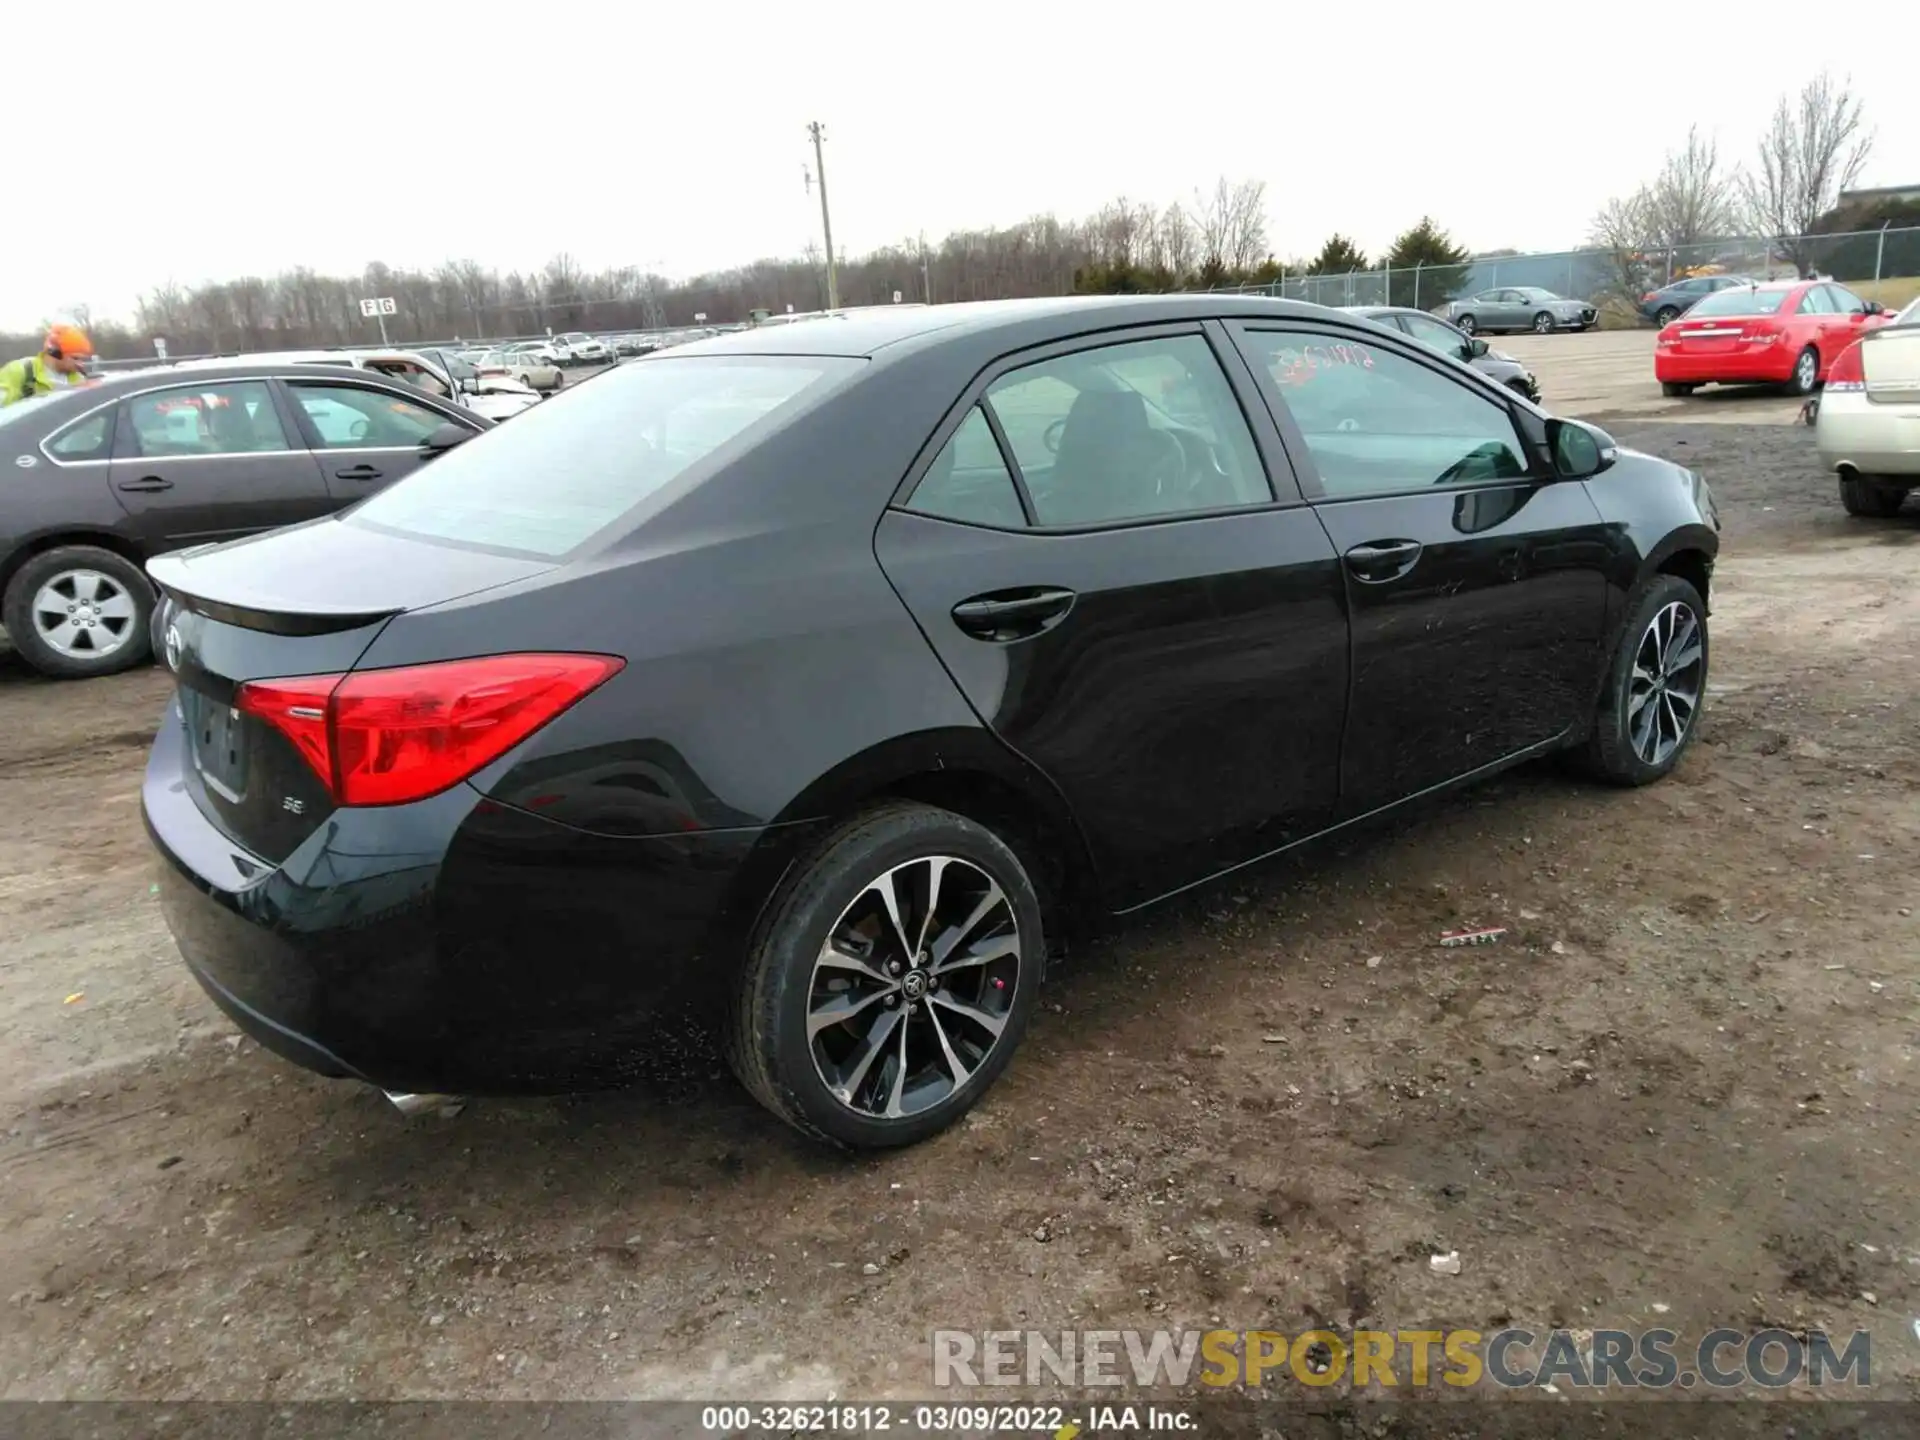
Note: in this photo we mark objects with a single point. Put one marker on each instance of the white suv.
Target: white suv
(576, 347)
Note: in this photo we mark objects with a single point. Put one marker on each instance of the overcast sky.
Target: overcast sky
(154, 143)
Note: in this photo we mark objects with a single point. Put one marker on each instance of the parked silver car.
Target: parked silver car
(1455, 343)
(1519, 307)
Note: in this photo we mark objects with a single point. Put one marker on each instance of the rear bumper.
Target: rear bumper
(1770, 366)
(455, 945)
(1868, 436)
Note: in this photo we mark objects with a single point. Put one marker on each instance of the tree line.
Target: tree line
(1216, 239)
(1814, 147)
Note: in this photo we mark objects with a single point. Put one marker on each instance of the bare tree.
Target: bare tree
(1246, 238)
(1623, 231)
(1814, 147)
(1176, 237)
(1694, 198)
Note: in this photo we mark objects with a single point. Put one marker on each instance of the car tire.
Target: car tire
(1467, 323)
(1673, 389)
(1665, 316)
(1628, 745)
(884, 1094)
(559, 381)
(1875, 499)
(1806, 372)
(83, 575)
(1543, 323)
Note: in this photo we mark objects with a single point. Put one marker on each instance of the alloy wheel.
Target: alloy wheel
(913, 987)
(84, 614)
(1542, 323)
(1468, 324)
(1663, 693)
(1806, 370)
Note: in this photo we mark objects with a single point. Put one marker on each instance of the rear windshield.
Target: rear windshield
(551, 478)
(1740, 302)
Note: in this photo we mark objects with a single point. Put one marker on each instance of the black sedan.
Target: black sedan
(831, 675)
(101, 478)
(1670, 302)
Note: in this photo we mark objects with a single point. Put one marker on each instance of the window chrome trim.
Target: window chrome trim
(364, 379)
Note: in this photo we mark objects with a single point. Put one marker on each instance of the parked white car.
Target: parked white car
(576, 347)
(529, 367)
(1868, 423)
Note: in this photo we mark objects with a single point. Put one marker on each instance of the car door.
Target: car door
(1475, 584)
(1092, 545)
(365, 435)
(211, 460)
(1849, 323)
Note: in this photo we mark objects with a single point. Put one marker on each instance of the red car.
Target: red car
(1785, 332)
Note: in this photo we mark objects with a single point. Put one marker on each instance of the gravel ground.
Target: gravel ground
(1682, 1085)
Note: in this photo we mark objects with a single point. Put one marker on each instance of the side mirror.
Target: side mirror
(1874, 307)
(444, 439)
(1579, 450)
(1476, 347)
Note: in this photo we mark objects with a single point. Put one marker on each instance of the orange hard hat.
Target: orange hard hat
(69, 342)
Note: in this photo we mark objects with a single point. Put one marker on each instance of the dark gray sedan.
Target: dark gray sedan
(1519, 307)
(101, 477)
(1455, 344)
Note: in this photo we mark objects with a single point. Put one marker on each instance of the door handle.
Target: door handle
(1383, 559)
(147, 484)
(357, 472)
(1008, 615)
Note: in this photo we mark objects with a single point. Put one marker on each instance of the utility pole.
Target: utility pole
(819, 133)
(926, 271)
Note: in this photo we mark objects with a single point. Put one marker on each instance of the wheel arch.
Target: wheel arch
(55, 540)
(965, 770)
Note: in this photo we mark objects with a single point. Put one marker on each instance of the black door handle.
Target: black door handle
(147, 484)
(1383, 559)
(1012, 614)
(357, 472)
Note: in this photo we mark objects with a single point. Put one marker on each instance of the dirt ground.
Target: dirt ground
(1684, 1079)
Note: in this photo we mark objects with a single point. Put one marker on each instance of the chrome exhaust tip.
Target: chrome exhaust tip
(411, 1105)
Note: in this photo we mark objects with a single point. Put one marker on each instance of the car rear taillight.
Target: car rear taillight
(1647, 299)
(387, 737)
(1849, 372)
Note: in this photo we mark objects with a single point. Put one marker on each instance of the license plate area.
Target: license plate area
(218, 737)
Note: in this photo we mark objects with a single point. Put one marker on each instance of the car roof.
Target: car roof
(240, 367)
(867, 333)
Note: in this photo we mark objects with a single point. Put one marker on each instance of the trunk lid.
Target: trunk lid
(1890, 359)
(303, 601)
(1710, 337)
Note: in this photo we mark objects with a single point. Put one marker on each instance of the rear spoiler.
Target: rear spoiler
(169, 574)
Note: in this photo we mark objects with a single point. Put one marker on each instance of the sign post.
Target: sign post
(379, 309)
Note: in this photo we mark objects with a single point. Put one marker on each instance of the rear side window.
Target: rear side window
(556, 476)
(88, 439)
(969, 480)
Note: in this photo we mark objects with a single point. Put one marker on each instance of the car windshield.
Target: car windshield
(1740, 302)
(597, 452)
(1910, 315)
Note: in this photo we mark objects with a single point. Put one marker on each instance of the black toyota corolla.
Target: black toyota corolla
(828, 673)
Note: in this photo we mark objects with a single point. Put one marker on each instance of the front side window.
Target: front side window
(350, 417)
(1844, 301)
(1377, 422)
(1128, 432)
(1443, 339)
(1817, 301)
(235, 418)
(569, 469)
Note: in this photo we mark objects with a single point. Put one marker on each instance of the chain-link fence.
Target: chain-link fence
(1598, 275)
